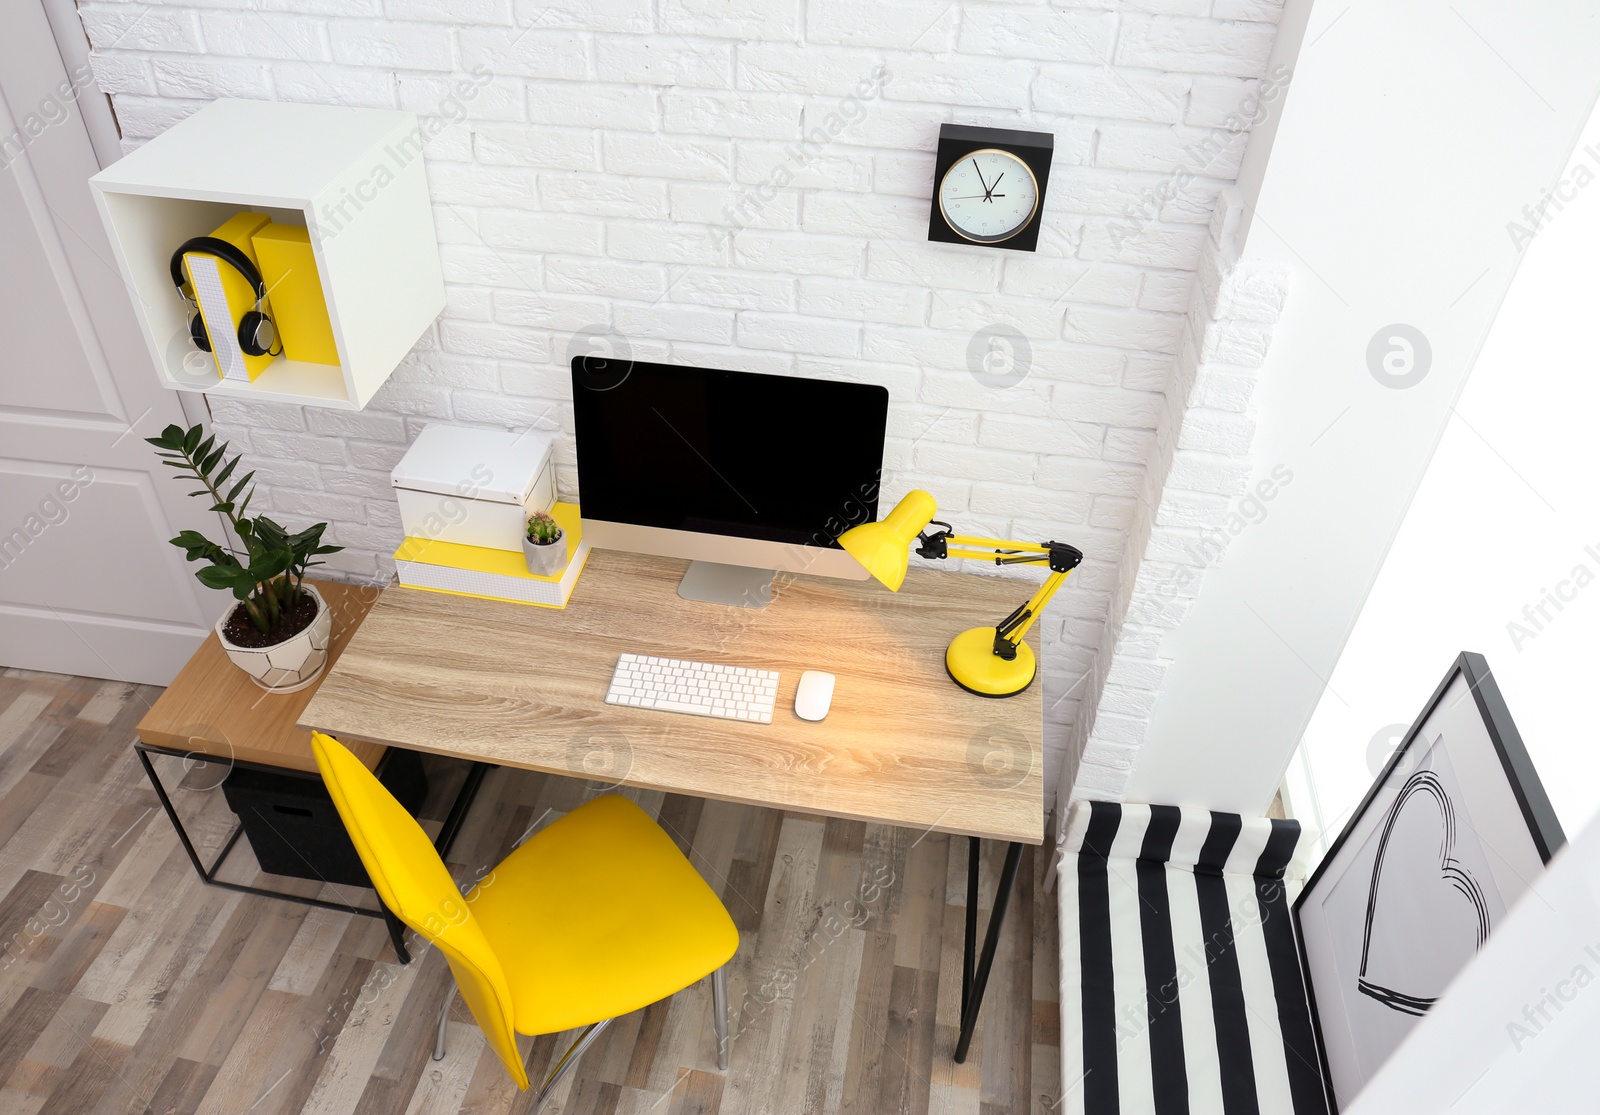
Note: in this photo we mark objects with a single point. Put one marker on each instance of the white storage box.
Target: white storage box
(473, 487)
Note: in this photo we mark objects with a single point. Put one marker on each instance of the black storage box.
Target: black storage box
(295, 830)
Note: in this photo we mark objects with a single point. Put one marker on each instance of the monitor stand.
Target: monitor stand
(736, 585)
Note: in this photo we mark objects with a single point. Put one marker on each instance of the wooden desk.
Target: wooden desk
(525, 687)
(902, 745)
(213, 708)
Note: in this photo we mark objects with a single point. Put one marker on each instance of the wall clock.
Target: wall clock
(989, 185)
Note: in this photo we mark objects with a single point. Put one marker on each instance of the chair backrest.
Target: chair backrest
(414, 883)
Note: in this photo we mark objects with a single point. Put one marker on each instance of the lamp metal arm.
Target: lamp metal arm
(1061, 558)
(943, 543)
(1011, 630)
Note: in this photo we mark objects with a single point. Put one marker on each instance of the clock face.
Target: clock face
(988, 196)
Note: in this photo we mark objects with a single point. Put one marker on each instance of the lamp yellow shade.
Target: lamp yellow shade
(884, 547)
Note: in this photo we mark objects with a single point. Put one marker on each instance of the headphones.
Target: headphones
(257, 334)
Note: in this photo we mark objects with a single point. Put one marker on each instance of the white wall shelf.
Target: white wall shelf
(352, 176)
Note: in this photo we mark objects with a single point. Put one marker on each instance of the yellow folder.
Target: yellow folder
(299, 309)
(225, 296)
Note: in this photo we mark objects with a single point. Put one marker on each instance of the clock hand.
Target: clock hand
(996, 183)
(979, 169)
(976, 197)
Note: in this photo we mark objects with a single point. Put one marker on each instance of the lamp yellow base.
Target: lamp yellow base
(973, 665)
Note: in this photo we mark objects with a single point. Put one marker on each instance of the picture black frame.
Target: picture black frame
(1544, 829)
(956, 141)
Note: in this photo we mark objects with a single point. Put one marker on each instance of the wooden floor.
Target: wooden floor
(126, 985)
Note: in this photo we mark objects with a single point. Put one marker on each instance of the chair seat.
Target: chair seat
(599, 915)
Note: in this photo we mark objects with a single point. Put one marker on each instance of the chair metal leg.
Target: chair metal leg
(444, 1023)
(569, 1059)
(719, 1014)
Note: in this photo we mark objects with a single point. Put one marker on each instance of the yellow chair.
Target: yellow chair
(591, 918)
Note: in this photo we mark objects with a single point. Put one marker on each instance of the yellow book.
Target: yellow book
(299, 309)
(428, 563)
(225, 296)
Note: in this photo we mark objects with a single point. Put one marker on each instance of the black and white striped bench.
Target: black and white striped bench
(1181, 987)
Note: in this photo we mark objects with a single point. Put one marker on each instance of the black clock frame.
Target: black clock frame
(956, 142)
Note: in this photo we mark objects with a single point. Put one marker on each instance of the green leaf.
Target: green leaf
(227, 470)
(270, 533)
(172, 436)
(270, 564)
(222, 508)
(211, 461)
(214, 577)
(197, 546)
(204, 448)
(223, 576)
(191, 440)
(239, 486)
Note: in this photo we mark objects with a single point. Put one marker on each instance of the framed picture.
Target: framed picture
(1450, 836)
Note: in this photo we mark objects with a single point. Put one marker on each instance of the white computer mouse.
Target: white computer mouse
(813, 695)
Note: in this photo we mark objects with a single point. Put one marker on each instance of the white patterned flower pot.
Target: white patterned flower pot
(290, 665)
(546, 560)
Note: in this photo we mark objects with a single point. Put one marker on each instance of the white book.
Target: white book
(207, 283)
(552, 593)
(440, 566)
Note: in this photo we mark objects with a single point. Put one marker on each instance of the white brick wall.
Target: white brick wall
(1194, 501)
(744, 183)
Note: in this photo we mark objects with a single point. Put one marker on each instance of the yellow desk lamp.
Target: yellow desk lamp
(988, 661)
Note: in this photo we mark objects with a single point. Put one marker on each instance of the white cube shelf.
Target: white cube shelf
(352, 176)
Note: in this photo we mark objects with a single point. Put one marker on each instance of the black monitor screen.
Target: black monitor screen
(777, 458)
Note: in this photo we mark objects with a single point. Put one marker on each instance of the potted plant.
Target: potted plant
(278, 631)
(544, 545)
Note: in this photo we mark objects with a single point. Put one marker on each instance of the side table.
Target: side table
(214, 713)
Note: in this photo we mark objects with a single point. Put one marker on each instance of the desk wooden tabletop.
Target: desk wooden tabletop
(525, 687)
(213, 708)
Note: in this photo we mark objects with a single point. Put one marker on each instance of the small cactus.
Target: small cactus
(543, 529)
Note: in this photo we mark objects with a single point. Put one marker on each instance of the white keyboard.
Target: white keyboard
(698, 688)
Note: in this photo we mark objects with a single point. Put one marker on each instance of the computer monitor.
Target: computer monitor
(743, 473)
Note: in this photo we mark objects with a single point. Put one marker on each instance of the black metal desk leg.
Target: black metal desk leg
(397, 934)
(172, 813)
(458, 810)
(975, 981)
(397, 929)
(969, 951)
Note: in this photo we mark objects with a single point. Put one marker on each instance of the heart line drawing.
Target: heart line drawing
(1423, 782)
